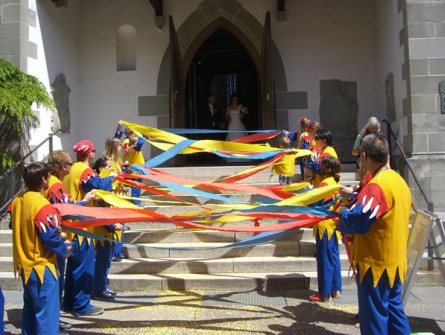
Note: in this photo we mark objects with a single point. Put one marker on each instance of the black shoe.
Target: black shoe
(105, 296)
(114, 294)
(64, 325)
(126, 228)
(117, 259)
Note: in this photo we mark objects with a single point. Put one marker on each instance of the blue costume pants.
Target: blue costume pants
(136, 192)
(79, 277)
(41, 308)
(61, 264)
(117, 250)
(104, 254)
(381, 308)
(2, 311)
(328, 264)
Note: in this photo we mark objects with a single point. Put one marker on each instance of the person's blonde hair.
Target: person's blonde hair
(304, 124)
(57, 160)
(314, 125)
(284, 142)
(112, 148)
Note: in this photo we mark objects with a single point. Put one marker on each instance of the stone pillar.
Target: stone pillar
(423, 39)
(15, 46)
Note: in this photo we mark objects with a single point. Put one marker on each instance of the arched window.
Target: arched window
(126, 48)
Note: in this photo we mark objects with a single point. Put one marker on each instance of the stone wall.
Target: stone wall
(423, 38)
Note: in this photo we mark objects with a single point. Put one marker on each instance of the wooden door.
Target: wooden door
(176, 91)
(266, 79)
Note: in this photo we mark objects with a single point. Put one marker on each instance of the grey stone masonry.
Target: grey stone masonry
(16, 18)
(423, 39)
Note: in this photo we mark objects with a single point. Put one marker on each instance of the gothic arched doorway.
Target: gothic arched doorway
(221, 65)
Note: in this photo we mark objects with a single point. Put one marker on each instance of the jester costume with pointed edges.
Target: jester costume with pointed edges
(57, 193)
(36, 244)
(117, 249)
(379, 221)
(80, 267)
(285, 168)
(328, 251)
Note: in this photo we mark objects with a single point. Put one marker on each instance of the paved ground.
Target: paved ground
(278, 312)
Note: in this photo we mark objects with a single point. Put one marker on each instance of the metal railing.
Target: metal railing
(391, 136)
(430, 205)
(10, 172)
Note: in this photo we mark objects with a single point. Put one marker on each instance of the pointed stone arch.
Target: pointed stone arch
(200, 24)
(204, 21)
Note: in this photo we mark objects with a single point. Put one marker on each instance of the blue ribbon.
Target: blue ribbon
(170, 153)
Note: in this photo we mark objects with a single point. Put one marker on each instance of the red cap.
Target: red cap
(83, 147)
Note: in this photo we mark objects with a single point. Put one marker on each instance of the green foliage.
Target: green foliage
(5, 161)
(18, 91)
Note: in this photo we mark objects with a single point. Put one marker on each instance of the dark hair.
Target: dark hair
(324, 134)
(331, 167)
(100, 163)
(33, 173)
(210, 95)
(233, 95)
(375, 146)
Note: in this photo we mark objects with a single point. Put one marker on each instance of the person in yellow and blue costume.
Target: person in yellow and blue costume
(135, 156)
(36, 244)
(60, 163)
(326, 238)
(324, 144)
(104, 249)
(80, 267)
(379, 221)
(285, 167)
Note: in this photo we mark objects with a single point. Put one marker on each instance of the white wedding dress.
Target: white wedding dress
(236, 130)
(236, 126)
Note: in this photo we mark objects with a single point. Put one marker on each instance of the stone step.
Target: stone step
(210, 249)
(221, 265)
(216, 250)
(145, 232)
(217, 282)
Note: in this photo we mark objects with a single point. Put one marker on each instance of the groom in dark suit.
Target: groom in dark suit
(211, 117)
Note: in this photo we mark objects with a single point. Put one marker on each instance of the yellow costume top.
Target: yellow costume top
(328, 151)
(327, 225)
(79, 174)
(285, 166)
(35, 222)
(136, 157)
(379, 221)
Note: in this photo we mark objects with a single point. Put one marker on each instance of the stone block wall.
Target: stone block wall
(15, 46)
(423, 39)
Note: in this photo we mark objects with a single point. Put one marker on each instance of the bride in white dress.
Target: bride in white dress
(236, 126)
(233, 116)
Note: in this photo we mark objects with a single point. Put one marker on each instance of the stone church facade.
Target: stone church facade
(338, 62)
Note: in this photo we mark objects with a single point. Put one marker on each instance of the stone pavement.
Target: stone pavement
(275, 312)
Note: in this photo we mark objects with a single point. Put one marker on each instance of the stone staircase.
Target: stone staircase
(177, 259)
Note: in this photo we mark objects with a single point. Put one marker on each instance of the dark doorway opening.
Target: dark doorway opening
(220, 66)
